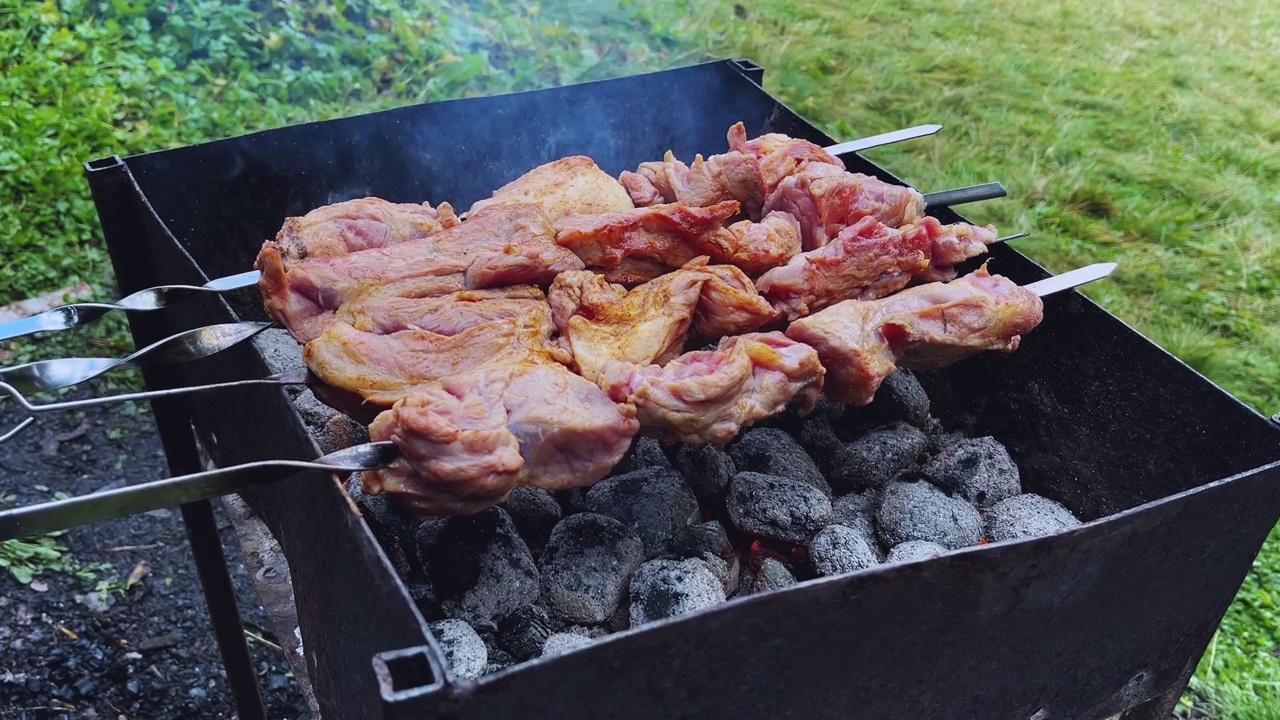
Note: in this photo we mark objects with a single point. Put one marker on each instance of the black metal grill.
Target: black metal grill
(1178, 479)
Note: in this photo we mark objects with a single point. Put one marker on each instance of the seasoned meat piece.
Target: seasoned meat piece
(356, 225)
(867, 260)
(731, 176)
(604, 322)
(707, 396)
(929, 326)
(779, 156)
(567, 186)
(446, 314)
(503, 245)
(637, 245)
(383, 368)
(729, 305)
(951, 245)
(472, 438)
(826, 199)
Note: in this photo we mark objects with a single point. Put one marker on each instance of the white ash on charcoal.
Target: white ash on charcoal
(857, 511)
(655, 503)
(914, 550)
(915, 509)
(670, 588)
(1024, 516)
(977, 469)
(708, 472)
(771, 451)
(478, 565)
(838, 549)
(709, 542)
(462, 647)
(523, 632)
(564, 642)
(586, 566)
(776, 507)
(879, 455)
(773, 575)
(535, 513)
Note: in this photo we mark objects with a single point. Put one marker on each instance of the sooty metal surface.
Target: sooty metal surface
(1178, 477)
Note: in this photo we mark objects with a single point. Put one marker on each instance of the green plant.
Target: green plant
(28, 559)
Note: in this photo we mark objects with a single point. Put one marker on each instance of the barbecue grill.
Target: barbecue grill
(1175, 479)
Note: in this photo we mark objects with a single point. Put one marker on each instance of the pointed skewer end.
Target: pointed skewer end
(1072, 279)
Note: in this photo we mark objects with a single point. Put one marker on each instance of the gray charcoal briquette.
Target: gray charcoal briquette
(656, 503)
(920, 511)
(586, 564)
(462, 646)
(773, 452)
(773, 575)
(704, 537)
(914, 550)
(726, 569)
(478, 566)
(707, 470)
(1028, 515)
(564, 642)
(777, 507)
(535, 512)
(838, 549)
(668, 588)
(878, 456)
(902, 397)
(523, 632)
(979, 470)
(831, 454)
(857, 511)
(644, 452)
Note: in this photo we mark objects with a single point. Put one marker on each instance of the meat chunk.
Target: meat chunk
(924, 327)
(634, 246)
(447, 314)
(605, 322)
(867, 260)
(826, 199)
(356, 225)
(570, 185)
(779, 156)
(950, 245)
(503, 245)
(707, 396)
(729, 305)
(719, 178)
(472, 438)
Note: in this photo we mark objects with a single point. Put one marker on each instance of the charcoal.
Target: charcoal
(726, 569)
(564, 642)
(708, 471)
(655, 503)
(523, 632)
(478, 566)
(704, 537)
(827, 408)
(668, 588)
(857, 511)
(831, 454)
(919, 510)
(462, 647)
(644, 453)
(838, 549)
(914, 550)
(498, 660)
(1023, 516)
(773, 452)
(901, 397)
(773, 575)
(978, 469)
(586, 564)
(777, 507)
(878, 456)
(573, 500)
(535, 512)
(382, 512)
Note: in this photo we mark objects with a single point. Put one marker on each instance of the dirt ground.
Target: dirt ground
(134, 641)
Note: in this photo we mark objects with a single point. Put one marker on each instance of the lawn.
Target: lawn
(1138, 132)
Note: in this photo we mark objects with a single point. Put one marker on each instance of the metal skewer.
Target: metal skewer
(46, 375)
(1072, 279)
(170, 492)
(888, 138)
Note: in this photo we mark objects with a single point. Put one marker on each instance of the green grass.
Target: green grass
(1139, 132)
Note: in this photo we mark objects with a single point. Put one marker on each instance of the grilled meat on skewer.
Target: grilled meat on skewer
(929, 326)
(569, 185)
(869, 260)
(707, 396)
(502, 245)
(472, 438)
(447, 314)
(356, 225)
(729, 305)
(826, 199)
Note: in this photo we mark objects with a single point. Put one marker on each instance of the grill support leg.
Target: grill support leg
(179, 441)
